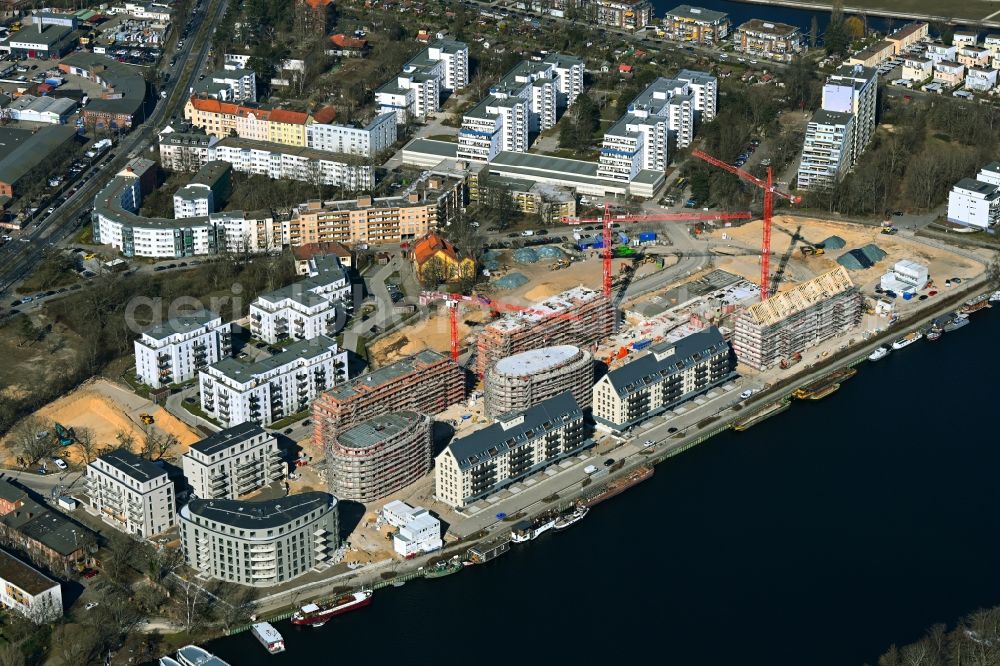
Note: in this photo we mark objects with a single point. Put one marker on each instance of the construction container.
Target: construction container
(641, 344)
(647, 236)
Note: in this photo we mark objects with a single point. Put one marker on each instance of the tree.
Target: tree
(813, 32)
(26, 330)
(87, 442)
(835, 39)
(192, 601)
(854, 27)
(27, 441)
(124, 439)
(156, 444)
(10, 655)
(432, 273)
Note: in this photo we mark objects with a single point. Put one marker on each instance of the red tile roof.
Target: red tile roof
(430, 245)
(288, 117)
(347, 42)
(325, 115)
(316, 4)
(212, 105)
(310, 250)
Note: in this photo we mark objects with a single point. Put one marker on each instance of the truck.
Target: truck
(99, 148)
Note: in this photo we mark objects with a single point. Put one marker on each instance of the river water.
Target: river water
(817, 537)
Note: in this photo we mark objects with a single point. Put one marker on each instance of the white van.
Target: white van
(527, 232)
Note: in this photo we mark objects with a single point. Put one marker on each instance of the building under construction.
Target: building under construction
(515, 383)
(580, 317)
(426, 382)
(791, 321)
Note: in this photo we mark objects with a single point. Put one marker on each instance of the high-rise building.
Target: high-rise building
(416, 90)
(174, 351)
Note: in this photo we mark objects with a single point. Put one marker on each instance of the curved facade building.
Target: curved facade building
(379, 456)
(515, 383)
(260, 544)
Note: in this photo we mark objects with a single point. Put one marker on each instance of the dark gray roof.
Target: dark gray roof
(535, 421)
(138, 468)
(304, 349)
(223, 439)
(182, 323)
(978, 186)
(211, 173)
(652, 367)
(32, 151)
(37, 522)
(263, 514)
(388, 374)
(125, 80)
(23, 575)
(10, 492)
(826, 117)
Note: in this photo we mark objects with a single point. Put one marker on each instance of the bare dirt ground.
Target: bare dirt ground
(29, 364)
(107, 409)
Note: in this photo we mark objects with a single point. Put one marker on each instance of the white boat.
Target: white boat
(879, 354)
(995, 296)
(192, 655)
(268, 637)
(169, 661)
(528, 532)
(562, 522)
(907, 340)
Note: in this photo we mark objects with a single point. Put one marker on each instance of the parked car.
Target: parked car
(60, 463)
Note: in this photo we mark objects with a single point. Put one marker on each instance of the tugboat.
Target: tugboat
(316, 615)
(879, 354)
(907, 340)
(565, 520)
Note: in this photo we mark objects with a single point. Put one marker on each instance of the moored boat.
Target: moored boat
(879, 354)
(316, 615)
(976, 304)
(958, 322)
(620, 485)
(766, 412)
(565, 520)
(907, 340)
(192, 655)
(823, 392)
(524, 532)
(995, 296)
(169, 661)
(444, 568)
(934, 334)
(268, 637)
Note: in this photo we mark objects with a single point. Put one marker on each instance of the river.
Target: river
(820, 536)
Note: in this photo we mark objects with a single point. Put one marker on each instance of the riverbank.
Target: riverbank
(978, 12)
(278, 606)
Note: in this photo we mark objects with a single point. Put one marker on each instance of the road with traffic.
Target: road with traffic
(19, 257)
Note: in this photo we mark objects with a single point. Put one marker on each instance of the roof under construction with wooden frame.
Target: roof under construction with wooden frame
(802, 296)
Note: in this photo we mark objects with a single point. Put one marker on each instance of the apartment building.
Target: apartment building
(417, 531)
(516, 446)
(306, 309)
(794, 320)
(228, 85)
(974, 203)
(527, 100)
(185, 151)
(667, 110)
(962, 38)
(980, 80)
(428, 203)
(44, 535)
(949, 74)
(874, 55)
(263, 543)
(278, 161)
(992, 44)
(625, 14)
(115, 222)
(427, 382)
(826, 152)
(517, 382)
(367, 140)
(550, 202)
(26, 590)
(917, 68)
(696, 24)
(908, 36)
(265, 391)
(768, 39)
(842, 128)
(174, 351)
(416, 90)
(377, 457)
(131, 494)
(670, 374)
(973, 56)
(233, 462)
(207, 191)
(940, 52)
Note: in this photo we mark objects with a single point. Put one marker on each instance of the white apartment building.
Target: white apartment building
(417, 531)
(905, 277)
(939, 52)
(990, 174)
(493, 126)
(826, 152)
(980, 80)
(233, 462)
(974, 203)
(917, 68)
(194, 200)
(992, 44)
(278, 161)
(416, 90)
(964, 38)
(853, 89)
(131, 494)
(514, 447)
(266, 391)
(705, 89)
(949, 74)
(184, 151)
(229, 85)
(368, 141)
(304, 310)
(28, 591)
(175, 350)
(973, 56)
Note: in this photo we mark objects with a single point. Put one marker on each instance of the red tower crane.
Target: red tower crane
(608, 219)
(769, 193)
(453, 301)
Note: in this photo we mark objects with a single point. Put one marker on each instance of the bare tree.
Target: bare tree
(10, 655)
(156, 444)
(87, 442)
(32, 441)
(192, 601)
(124, 439)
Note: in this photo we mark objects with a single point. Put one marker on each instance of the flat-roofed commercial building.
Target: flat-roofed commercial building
(517, 382)
(696, 24)
(377, 457)
(131, 494)
(516, 446)
(29, 152)
(175, 350)
(233, 462)
(670, 374)
(123, 90)
(28, 591)
(260, 544)
(44, 535)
